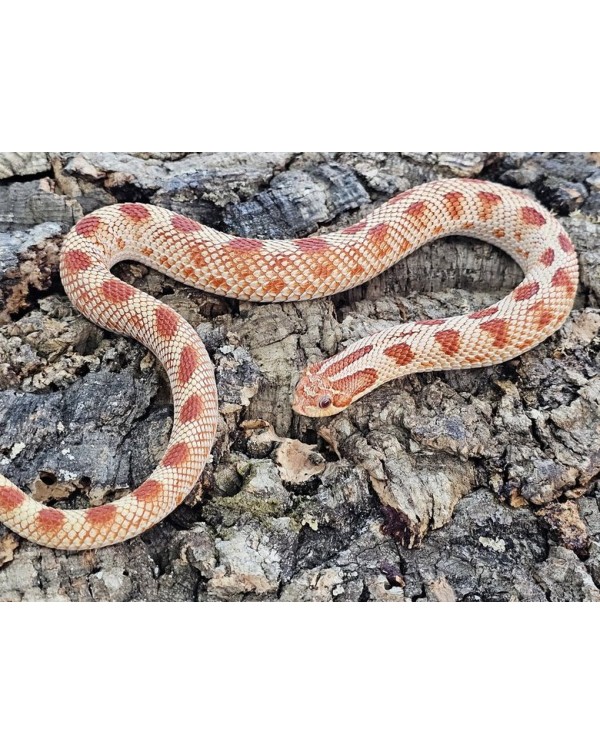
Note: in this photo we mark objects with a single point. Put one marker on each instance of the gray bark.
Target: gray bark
(469, 485)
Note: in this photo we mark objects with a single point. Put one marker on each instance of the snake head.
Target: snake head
(326, 388)
(315, 395)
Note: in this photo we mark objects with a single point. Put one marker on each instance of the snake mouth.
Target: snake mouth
(302, 409)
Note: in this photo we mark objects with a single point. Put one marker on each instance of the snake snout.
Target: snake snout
(314, 396)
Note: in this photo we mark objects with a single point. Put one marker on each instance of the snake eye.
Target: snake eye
(325, 401)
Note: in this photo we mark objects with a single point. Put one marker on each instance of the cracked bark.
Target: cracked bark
(470, 485)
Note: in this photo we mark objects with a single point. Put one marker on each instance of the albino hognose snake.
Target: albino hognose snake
(310, 268)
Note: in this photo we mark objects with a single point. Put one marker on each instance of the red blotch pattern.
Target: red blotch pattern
(378, 233)
(176, 455)
(430, 322)
(488, 202)
(117, 291)
(454, 204)
(197, 255)
(341, 364)
(523, 292)
(184, 224)
(50, 519)
(484, 313)
(244, 245)
(10, 498)
(543, 316)
(547, 257)
(561, 278)
(87, 226)
(402, 353)
(324, 269)
(355, 228)
(379, 237)
(135, 212)
(498, 329)
(275, 286)
(311, 245)
(189, 360)
(103, 515)
(531, 216)
(167, 322)
(416, 209)
(565, 243)
(191, 409)
(149, 491)
(76, 261)
(449, 341)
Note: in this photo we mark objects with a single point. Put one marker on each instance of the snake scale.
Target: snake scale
(292, 270)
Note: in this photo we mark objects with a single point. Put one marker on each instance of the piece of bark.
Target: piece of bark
(24, 205)
(14, 164)
(28, 263)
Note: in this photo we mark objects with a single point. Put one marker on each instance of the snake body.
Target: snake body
(292, 270)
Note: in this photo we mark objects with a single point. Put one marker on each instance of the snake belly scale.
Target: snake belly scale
(291, 270)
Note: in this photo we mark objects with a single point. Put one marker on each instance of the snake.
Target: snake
(292, 270)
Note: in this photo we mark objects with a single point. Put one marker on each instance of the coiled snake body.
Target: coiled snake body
(287, 271)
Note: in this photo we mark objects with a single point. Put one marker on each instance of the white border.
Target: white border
(280, 677)
(315, 76)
